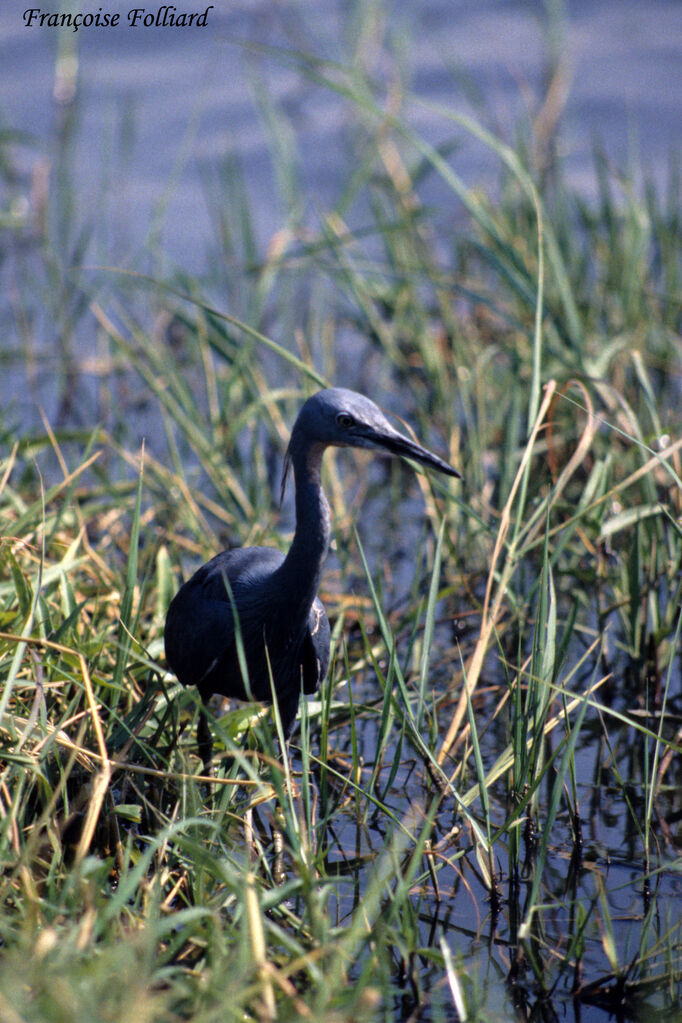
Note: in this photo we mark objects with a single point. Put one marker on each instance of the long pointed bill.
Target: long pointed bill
(398, 444)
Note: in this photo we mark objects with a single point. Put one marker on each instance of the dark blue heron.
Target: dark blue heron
(283, 628)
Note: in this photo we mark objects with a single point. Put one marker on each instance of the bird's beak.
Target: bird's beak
(391, 440)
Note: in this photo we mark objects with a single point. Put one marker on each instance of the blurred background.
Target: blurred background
(157, 139)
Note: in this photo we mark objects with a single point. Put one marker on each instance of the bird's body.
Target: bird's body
(297, 650)
(283, 635)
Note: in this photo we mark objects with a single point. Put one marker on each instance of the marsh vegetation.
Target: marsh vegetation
(481, 815)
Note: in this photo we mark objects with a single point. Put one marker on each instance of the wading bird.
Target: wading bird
(283, 631)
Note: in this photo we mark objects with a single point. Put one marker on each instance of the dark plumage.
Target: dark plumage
(283, 624)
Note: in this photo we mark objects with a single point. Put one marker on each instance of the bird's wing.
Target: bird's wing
(200, 627)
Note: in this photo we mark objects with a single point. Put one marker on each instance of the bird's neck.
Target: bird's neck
(302, 566)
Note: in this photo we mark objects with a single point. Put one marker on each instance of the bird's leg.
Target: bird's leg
(288, 709)
(205, 741)
(287, 704)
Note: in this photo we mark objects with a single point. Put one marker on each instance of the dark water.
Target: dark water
(483, 938)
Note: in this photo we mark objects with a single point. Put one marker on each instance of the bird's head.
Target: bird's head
(343, 418)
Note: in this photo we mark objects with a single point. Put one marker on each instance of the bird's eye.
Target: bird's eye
(344, 419)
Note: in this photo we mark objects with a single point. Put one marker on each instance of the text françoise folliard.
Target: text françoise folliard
(137, 17)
